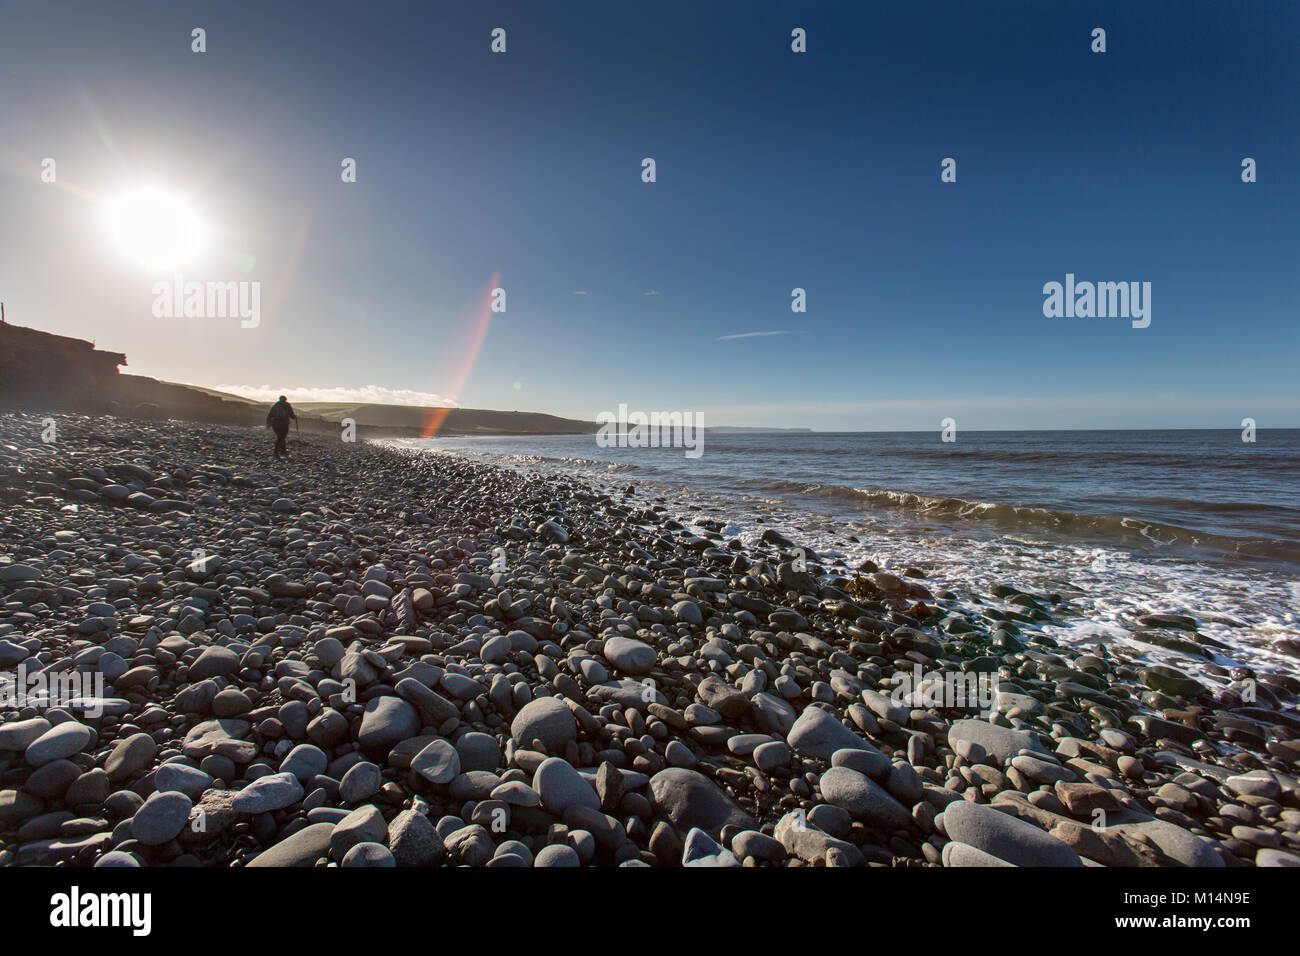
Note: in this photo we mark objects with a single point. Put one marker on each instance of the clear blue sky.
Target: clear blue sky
(775, 171)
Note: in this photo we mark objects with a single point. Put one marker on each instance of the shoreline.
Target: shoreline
(1120, 580)
(770, 734)
(932, 507)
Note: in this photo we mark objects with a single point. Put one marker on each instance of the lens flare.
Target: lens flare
(480, 317)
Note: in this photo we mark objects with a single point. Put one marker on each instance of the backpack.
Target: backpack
(279, 415)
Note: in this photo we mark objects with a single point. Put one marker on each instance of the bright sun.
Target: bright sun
(155, 228)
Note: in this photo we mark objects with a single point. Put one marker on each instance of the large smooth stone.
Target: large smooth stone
(182, 778)
(369, 854)
(772, 714)
(365, 824)
(1005, 837)
(303, 848)
(130, 756)
(998, 743)
(437, 763)
(964, 855)
(21, 734)
(161, 818)
(362, 781)
(547, 719)
(561, 786)
(387, 721)
(222, 737)
(1183, 845)
(1272, 858)
(628, 692)
(214, 662)
(275, 791)
(690, 799)
(817, 733)
(59, 742)
(630, 656)
(304, 762)
(864, 798)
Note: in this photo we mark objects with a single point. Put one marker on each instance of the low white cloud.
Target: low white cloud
(371, 394)
(754, 335)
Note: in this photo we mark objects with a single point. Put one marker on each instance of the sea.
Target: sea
(1124, 523)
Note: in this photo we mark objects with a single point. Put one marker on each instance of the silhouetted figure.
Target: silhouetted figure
(277, 419)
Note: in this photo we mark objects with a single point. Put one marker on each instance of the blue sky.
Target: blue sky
(775, 170)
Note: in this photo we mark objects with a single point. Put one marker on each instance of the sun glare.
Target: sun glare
(155, 228)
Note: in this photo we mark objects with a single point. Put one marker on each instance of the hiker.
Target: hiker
(277, 419)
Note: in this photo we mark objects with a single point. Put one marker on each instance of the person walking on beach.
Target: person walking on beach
(277, 419)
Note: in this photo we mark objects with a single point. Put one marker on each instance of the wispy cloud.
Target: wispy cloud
(754, 335)
(651, 292)
(373, 394)
(579, 291)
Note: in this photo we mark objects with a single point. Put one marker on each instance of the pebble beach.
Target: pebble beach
(376, 656)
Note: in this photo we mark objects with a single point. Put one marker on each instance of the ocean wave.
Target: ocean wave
(1004, 515)
(1028, 516)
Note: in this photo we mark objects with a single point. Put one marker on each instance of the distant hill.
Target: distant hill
(478, 421)
(454, 421)
(224, 396)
